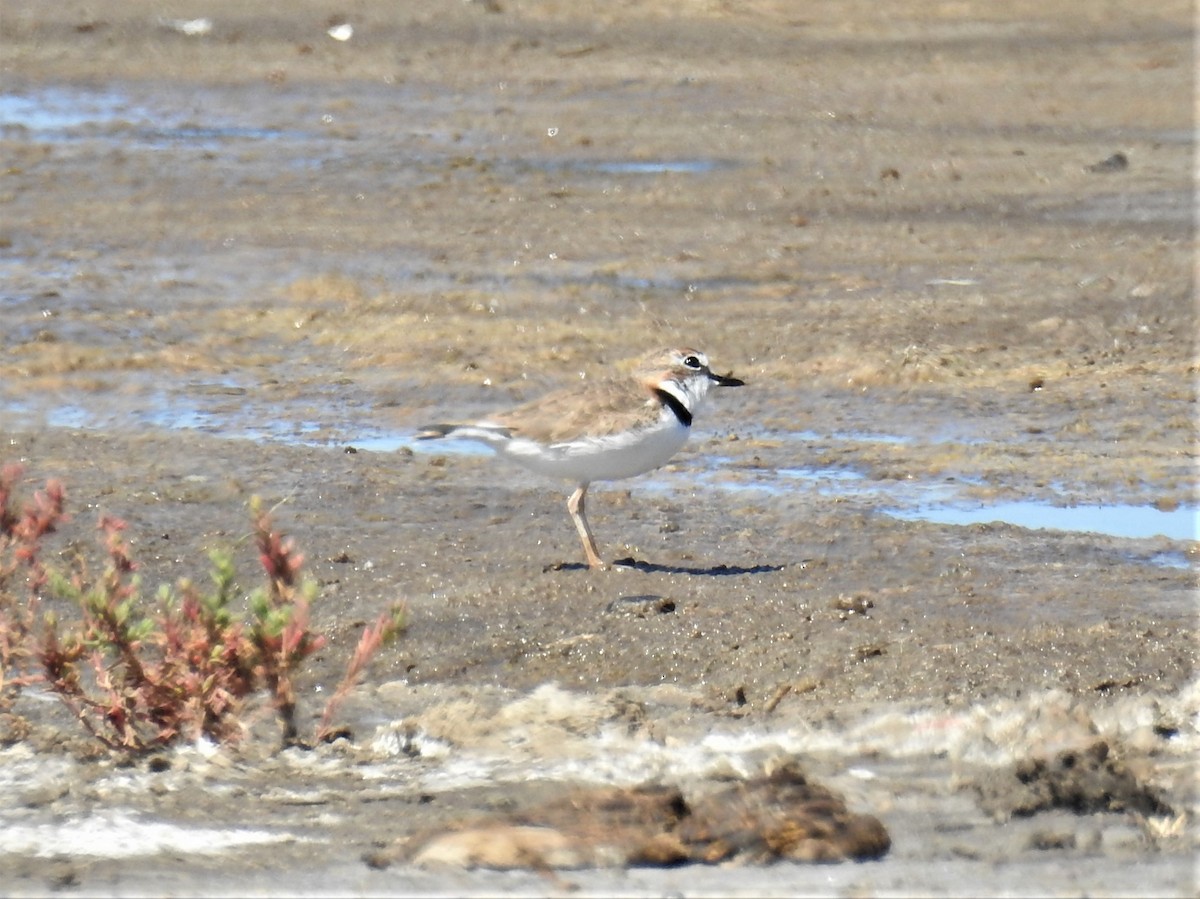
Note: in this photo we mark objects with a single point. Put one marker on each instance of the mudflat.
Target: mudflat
(940, 552)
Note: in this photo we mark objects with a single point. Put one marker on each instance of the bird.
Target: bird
(602, 430)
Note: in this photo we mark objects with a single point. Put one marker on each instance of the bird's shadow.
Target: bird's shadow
(631, 564)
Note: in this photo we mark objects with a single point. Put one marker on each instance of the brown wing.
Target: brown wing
(597, 409)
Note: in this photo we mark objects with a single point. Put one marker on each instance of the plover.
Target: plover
(602, 430)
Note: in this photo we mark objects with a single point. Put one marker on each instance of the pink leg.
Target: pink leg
(575, 507)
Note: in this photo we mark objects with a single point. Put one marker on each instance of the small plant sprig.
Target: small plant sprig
(182, 671)
(280, 633)
(385, 629)
(138, 680)
(22, 574)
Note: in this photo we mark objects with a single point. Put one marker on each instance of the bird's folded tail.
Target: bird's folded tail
(432, 432)
(481, 431)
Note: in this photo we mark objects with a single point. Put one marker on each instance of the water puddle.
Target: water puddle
(662, 167)
(216, 413)
(1114, 520)
(935, 501)
(1177, 560)
(941, 502)
(64, 114)
(219, 408)
(630, 166)
(855, 435)
(54, 111)
(1162, 207)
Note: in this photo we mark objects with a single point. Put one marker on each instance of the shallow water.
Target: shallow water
(1115, 520)
(56, 112)
(63, 114)
(223, 410)
(233, 256)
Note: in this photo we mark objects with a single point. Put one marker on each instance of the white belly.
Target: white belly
(601, 458)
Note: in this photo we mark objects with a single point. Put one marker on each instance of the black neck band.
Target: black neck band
(672, 402)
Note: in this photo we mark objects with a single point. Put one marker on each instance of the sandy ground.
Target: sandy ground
(948, 248)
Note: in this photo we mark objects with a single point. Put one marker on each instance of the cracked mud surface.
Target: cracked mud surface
(254, 250)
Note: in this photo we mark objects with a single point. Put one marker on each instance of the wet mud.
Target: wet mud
(943, 540)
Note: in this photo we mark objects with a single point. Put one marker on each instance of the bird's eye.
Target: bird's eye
(692, 362)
